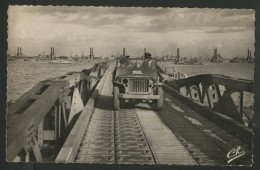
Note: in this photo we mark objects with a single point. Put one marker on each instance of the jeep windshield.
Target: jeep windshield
(136, 63)
(132, 67)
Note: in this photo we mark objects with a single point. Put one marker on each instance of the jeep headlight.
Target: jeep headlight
(125, 81)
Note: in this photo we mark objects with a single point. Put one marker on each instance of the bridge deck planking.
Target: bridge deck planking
(167, 149)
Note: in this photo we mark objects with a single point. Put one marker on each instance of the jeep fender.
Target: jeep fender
(118, 84)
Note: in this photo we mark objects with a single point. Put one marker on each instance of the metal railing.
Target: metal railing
(46, 113)
(217, 92)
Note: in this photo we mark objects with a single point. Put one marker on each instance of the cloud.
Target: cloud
(227, 30)
(165, 19)
(185, 19)
(94, 11)
(109, 29)
(235, 12)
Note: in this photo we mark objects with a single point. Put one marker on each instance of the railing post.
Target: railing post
(199, 93)
(188, 92)
(218, 91)
(64, 115)
(40, 133)
(55, 123)
(37, 151)
(241, 102)
(27, 156)
(208, 97)
(59, 124)
(203, 93)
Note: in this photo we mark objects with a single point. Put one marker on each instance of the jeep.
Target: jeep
(136, 79)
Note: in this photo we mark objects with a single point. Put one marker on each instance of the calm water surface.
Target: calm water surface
(239, 70)
(23, 75)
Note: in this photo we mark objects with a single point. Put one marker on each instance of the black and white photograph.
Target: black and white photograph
(130, 85)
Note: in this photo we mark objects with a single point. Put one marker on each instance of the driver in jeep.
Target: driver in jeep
(148, 62)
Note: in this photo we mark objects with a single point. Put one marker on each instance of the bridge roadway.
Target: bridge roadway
(140, 135)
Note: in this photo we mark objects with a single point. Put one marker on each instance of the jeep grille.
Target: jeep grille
(138, 85)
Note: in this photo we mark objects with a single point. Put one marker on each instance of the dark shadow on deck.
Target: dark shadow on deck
(198, 142)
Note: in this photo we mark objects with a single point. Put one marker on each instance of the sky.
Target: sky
(73, 30)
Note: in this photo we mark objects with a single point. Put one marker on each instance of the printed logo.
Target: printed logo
(234, 154)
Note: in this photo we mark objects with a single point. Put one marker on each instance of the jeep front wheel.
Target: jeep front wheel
(116, 98)
(159, 102)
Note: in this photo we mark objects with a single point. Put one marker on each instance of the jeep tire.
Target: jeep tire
(159, 102)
